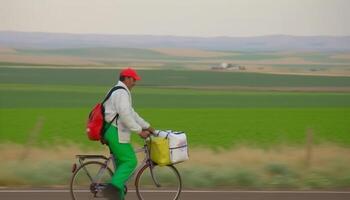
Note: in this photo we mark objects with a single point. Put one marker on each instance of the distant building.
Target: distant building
(224, 65)
(228, 66)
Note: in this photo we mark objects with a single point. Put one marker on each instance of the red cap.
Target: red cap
(129, 72)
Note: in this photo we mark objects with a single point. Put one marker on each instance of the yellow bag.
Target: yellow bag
(159, 149)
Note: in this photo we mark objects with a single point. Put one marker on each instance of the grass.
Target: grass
(213, 128)
(279, 167)
(76, 96)
(170, 78)
(239, 168)
(211, 117)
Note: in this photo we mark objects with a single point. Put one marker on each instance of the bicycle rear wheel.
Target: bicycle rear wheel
(89, 180)
(166, 183)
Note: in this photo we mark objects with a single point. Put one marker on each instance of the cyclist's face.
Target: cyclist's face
(130, 82)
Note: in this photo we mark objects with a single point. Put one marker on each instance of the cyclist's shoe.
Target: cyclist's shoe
(125, 189)
(111, 192)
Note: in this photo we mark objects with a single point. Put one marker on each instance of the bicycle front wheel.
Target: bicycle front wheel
(158, 182)
(89, 180)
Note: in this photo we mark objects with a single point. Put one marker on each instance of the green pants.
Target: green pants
(125, 159)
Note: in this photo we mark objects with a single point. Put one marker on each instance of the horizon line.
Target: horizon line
(167, 35)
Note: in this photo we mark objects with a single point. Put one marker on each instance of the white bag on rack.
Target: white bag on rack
(177, 145)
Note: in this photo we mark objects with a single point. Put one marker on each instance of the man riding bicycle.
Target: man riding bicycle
(117, 136)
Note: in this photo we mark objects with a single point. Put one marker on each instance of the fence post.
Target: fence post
(33, 137)
(309, 144)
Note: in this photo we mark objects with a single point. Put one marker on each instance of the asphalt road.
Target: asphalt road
(191, 195)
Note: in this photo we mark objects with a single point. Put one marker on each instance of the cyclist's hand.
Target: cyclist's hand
(150, 129)
(144, 134)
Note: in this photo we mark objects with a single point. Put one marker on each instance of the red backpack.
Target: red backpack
(96, 121)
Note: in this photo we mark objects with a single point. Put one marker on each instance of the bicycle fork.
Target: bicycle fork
(151, 166)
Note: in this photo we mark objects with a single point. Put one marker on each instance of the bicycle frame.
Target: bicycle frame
(107, 161)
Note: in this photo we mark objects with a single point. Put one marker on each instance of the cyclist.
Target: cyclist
(117, 136)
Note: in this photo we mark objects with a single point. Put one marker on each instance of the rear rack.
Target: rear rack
(83, 157)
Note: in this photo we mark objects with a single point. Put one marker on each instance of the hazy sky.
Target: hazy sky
(178, 17)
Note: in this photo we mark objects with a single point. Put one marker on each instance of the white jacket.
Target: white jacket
(128, 121)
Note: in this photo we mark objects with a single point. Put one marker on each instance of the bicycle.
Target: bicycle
(151, 180)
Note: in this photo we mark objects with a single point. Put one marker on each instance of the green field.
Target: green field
(162, 78)
(211, 117)
(256, 137)
(262, 127)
